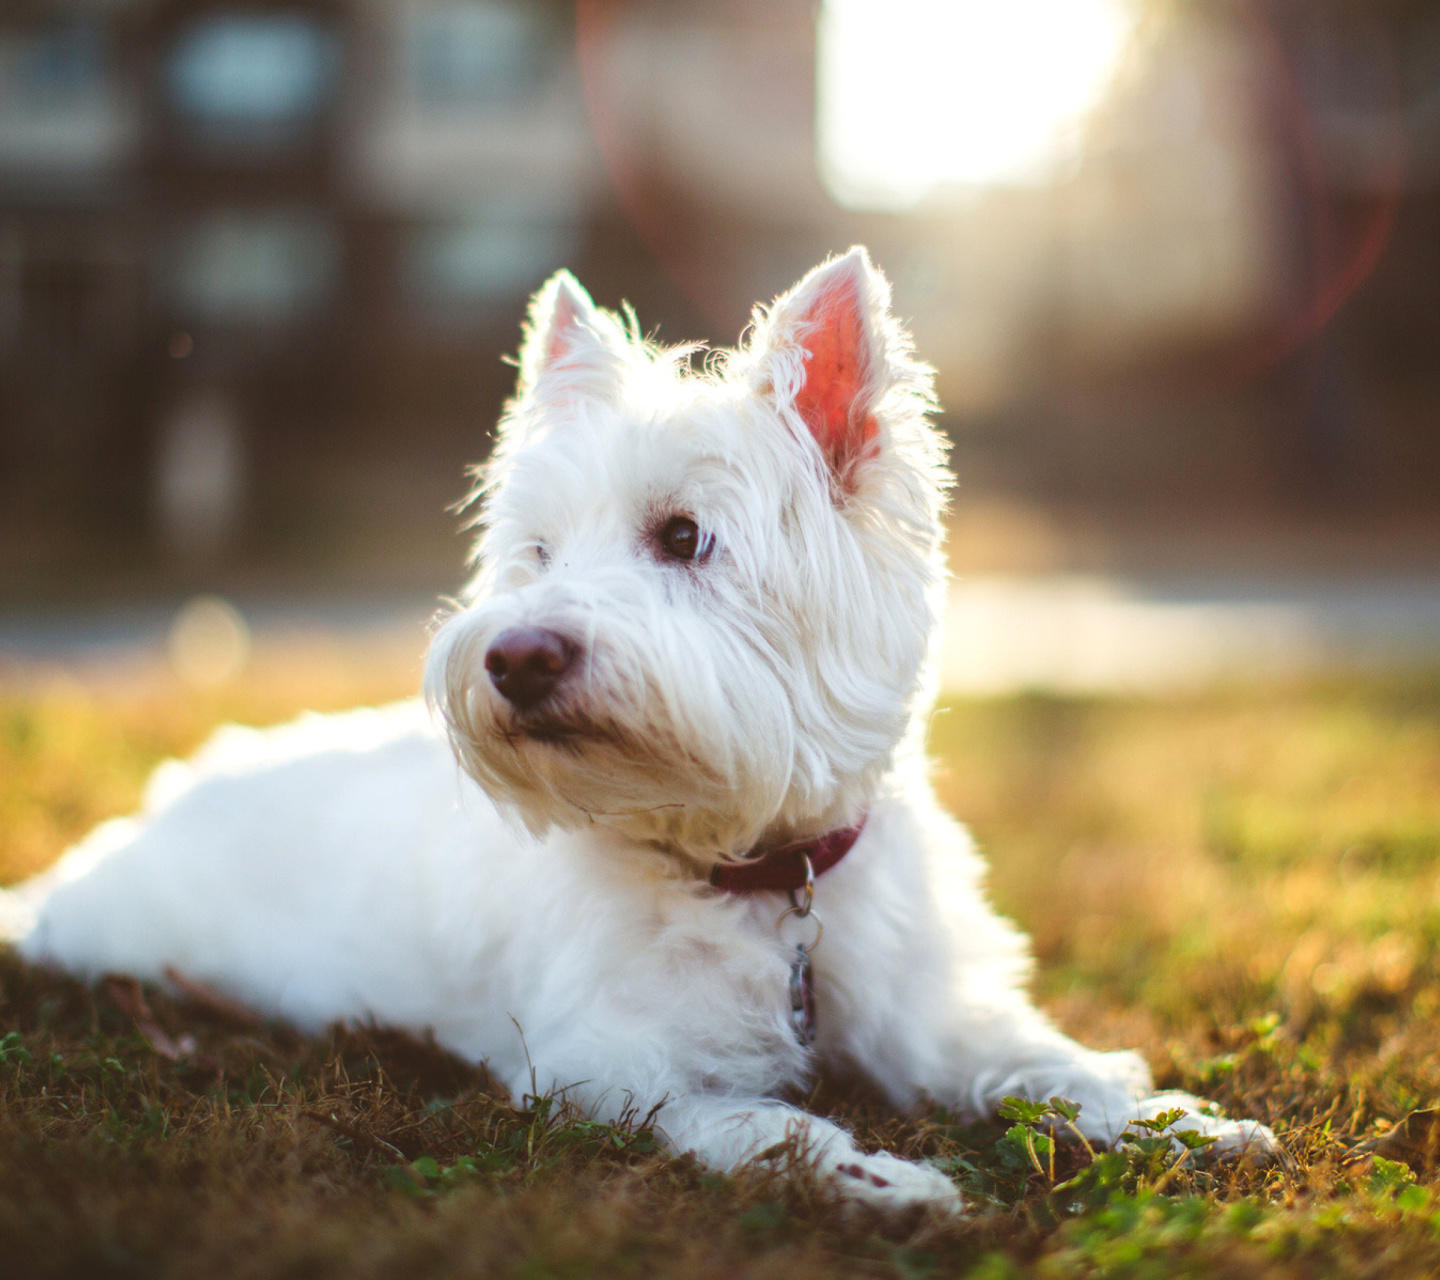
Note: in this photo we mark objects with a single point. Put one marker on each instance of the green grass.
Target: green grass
(1245, 885)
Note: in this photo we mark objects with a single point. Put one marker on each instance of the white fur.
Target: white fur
(554, 920)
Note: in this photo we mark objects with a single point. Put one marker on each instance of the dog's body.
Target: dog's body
(701, 628)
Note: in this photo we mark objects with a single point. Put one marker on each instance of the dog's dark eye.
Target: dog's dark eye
(680, 538)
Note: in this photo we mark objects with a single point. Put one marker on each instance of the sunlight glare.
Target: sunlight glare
(915, 95)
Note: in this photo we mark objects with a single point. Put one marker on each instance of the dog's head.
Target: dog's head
(704, 599)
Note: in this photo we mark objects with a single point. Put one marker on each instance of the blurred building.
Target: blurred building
(258, 260)
(239, 240)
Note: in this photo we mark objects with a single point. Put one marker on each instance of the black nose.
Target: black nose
(526, 663)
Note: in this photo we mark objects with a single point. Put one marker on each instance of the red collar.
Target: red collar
(784, 867)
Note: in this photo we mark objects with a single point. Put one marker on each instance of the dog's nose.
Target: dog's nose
(526, 663)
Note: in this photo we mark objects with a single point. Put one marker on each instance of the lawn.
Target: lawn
(1245, 885)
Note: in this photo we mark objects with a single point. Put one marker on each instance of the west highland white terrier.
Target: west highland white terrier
(688, 694)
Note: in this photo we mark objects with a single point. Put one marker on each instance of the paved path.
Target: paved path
(1063, 633)
(1082, 634)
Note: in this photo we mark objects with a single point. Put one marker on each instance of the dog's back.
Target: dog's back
(287, 866)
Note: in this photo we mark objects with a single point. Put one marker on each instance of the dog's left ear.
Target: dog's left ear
(570, 345)
(823, 350)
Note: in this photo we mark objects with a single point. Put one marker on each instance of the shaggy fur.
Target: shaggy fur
(545, 907)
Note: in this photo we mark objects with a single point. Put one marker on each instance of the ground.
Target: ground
(1244, 884)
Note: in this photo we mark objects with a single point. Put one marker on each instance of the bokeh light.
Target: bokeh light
(917, 95)
(209, 643)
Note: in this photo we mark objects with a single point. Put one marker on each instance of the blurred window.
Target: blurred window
(54, 67)
(475, 53)
(255, 268)
(252, 76)
(60, 112)
(458, 271)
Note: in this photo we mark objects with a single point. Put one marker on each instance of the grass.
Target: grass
(1245, 885)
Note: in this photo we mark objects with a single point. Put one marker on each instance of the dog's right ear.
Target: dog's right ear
(570, 345)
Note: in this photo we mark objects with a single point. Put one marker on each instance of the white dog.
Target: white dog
(691, 675)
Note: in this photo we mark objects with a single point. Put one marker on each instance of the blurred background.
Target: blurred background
(1176, 261)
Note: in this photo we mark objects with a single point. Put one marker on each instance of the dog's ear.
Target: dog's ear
(569, 344)
(823, 352)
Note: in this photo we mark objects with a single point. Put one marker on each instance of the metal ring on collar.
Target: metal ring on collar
(804, 911)
(803, 914)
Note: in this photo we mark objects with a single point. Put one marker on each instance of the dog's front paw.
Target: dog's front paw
(1233, 1139)
(883, 1181)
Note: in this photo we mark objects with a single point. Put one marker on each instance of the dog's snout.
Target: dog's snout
(526, 663)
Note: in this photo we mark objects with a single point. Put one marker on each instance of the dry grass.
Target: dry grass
(1244, 885)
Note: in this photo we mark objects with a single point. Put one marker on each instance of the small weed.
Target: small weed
(13, 1052)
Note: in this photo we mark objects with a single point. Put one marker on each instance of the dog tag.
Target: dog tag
(802, 998)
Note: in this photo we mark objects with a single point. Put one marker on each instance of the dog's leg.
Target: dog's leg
(1113, 1089)
(727, 1132)
(984, 1054)
(932, 1001)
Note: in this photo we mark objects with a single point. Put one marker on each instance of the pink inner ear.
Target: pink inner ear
(562, 327)
(836, 373)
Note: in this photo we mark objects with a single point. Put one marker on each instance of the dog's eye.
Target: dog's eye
(542, 554)
(680, 538)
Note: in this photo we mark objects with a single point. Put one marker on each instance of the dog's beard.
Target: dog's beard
(617, 746)
(571, 730)
(572, 770)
